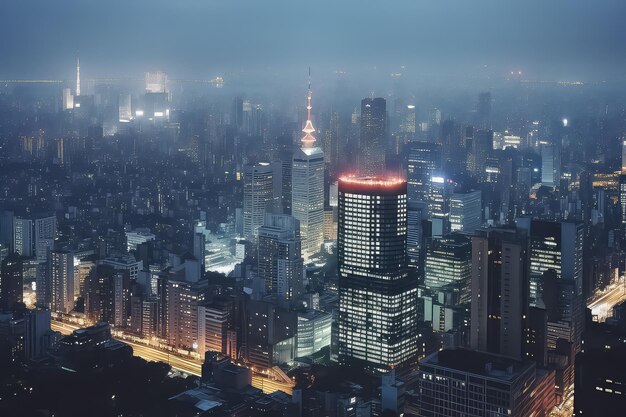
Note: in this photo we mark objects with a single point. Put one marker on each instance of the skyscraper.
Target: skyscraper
(448, 261)
(156, 82)
(460, 382)
(465, 211)
(34, 236)
(77, 77)
(61, 281)
(550, 165)
(258, 193)
(373, 137)
(307, 189)
(424, 159)
(499, 291)
(11, 282)
(377, 298)
(280, 256)
(558, 246)
(482, 146)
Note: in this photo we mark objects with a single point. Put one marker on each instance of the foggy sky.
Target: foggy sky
(547, 39)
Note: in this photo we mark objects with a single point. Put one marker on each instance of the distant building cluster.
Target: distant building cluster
(397, 256)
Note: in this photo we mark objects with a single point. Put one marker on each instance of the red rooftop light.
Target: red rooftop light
(373, 181)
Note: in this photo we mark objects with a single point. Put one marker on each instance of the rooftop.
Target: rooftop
(478, 363)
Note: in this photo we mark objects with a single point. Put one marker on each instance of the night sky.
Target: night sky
(577, 39)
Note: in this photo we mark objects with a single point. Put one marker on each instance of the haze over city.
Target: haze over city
(274, 208)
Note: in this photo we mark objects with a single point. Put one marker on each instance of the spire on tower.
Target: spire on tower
(308, 140)
(77, 76)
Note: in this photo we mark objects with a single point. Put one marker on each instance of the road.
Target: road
(269, 381)
(603, 303)
(189, 366)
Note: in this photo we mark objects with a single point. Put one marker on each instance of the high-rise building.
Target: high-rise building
(448, 261)
(34, 236)
(499, 291)
(558, 246)
(314, 330)
(483, 110)
(125, 111)
(11, 282)
(460, 382)
(423, 161)
(77, 77)
(270, 334)
(156, 82)
(377, 298)
(137, 237)
(600, 375)
(307, 189)
(550, 165)
(373, 137)
(280, 262)
(214, 319)
(482, 146)
(466, 211)
(623, 157)
(622, 199)
(37, 333)
(258, 194)
(68, 99)
(61, 281)
(183, 300)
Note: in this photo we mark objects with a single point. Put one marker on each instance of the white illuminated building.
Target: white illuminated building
(156, 82)
(307, 197)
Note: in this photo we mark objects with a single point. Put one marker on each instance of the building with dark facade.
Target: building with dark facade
(373, 137)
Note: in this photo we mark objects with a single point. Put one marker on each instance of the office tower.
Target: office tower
(439, 203)
(270, 334)
(77, 77)
(373, 137)
(183, 300)
(214, 318)
(34, 236)
(558, 247)
(68, 99)
(417, 230)
(150, 318)
(280, 262)
(307, 189)
(482, 147)
(314, 329)
(137, 237)
(258, 194)
(460, 382)
(377, 298)
(466, 211)
(499, 291)
(423, 161)
(623, 171)
(550, 165)
(483, 110)
(155, 82)
(37, 333)
(11, 282)
(286, 168)
(125, 112)
(61, 272)
(332, 144)
(125, 263)
(449, 261)
(622, 198)
(600, 375)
